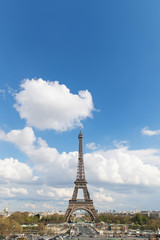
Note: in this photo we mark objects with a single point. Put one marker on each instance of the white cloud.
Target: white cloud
(101, 197)
(43, 157)
(148, 132)
(124, 166)
(40, 192)
(50, 105)
(19, 191)
(12, 192)
(148, 156)
(62, 192)
(36, 148)
(12, 91)
(24, 138)
(56, 193)
(120, 144)
(6, 192)
(91, 146)
(43, 154)
(46, 205)
(30, 205)
(120, 165)
(13, 170)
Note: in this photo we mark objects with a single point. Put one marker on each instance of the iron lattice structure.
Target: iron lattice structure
(80, 183)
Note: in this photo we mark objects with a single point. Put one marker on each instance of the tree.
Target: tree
(145, 219)
(32, 219)
(138, 218)
(18, 217)
(4, 226)
(15, 227)
(55, 218)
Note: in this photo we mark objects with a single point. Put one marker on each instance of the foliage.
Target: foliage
(12, 224)
(32, 220)
(55, 218)
(138, 221)
(19, 217)
(110, 218)
(8, 226)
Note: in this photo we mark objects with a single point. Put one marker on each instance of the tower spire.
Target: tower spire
(80, 169)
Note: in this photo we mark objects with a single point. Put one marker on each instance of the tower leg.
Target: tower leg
(75, 193)
(86, 193)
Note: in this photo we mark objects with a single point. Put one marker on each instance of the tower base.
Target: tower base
(86, 205)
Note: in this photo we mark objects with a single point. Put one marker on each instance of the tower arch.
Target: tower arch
(85, 209)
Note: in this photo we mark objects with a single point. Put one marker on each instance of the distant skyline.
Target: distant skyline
(66, 66)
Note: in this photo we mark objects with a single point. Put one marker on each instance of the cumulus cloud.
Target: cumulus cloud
(101, 197)
(62, 192)
(40, 192)
(12, 192)
(6, 192)
(46, 205)
(19, 191)
(30, 205)
(13, 170)
(148, 132)
(56, 193)
(43, 157)
(91, 146)
(120, 144)
(50, 105)
(148, 156)
(24, 138)
(120, 165)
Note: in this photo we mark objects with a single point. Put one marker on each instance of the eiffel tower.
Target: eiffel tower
(80, 183)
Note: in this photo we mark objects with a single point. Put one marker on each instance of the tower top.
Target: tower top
(80, 135)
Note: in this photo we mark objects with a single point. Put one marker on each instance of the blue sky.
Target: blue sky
(112, 50)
